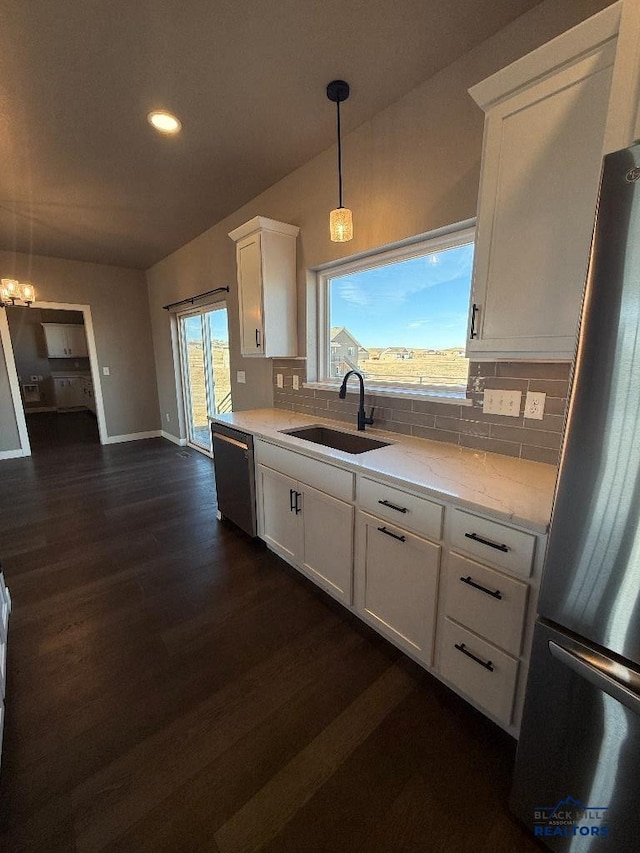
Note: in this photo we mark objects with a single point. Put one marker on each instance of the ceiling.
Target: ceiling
(84, 176)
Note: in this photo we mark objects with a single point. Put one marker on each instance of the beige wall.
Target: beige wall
(412, 168)
(120, 314)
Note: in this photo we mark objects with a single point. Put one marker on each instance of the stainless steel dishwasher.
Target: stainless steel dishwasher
(235, 476)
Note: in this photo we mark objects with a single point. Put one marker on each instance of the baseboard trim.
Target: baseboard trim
(12, 454)
(181, 442)
(132, 436)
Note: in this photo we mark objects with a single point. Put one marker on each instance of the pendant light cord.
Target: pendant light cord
(339, 155)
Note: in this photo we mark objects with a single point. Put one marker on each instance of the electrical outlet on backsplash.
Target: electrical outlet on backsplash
(466, 426)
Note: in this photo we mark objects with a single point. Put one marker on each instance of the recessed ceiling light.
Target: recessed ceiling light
(164, 122)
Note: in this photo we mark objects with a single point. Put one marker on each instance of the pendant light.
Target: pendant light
(340, 219)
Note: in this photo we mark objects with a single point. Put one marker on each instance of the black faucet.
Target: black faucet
(362, 415)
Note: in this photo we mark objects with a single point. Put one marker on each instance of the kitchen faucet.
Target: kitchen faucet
(362, 415)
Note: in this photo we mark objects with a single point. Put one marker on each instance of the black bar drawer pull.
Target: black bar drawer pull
(258, 337)
(504, 548)
(474, 311)
(487, 664)
(298, 507)
(291, 503)
(394, 535)
(493, 593)
(393, 506)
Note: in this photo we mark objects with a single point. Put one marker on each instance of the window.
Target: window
(400, 316)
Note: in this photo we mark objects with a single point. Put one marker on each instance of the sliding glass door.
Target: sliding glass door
(206, 377)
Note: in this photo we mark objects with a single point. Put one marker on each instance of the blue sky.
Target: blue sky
(218, 322)
(421, 303)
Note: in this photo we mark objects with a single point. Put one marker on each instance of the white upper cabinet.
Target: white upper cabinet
(65, 340)
(266, 265)
(545, 125)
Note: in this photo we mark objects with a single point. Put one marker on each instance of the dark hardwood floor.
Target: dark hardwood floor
(173, 686)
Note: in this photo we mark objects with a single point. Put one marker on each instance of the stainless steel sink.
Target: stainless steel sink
(346, 441)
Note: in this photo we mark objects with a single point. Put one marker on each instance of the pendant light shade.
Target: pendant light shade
(341, 225)
(340, 219)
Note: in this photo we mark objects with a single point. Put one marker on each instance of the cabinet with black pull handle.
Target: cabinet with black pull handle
(309, 528)
(266, 275)
(484, 598)
(397, 578)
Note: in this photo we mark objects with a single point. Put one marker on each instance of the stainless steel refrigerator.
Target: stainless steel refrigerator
(577, 779)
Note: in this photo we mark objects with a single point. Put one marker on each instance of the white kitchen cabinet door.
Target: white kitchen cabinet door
(65, 340)
(56, 340)
(250, 296)
(266, 270)
(397, 584)
(280, 527)
(545, 124)
(69, 392)
(77, 341)
(327, 549)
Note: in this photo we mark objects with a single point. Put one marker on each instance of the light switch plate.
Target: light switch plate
(279, 380)
(491, 402)
(511, 403)
(499, 402)
(296, 383)
(106, 371)
(534, 405)
(241, 376)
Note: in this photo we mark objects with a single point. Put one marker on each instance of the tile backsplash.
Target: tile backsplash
(467, 426)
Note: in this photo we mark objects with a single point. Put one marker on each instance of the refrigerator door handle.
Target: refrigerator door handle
(596, 676)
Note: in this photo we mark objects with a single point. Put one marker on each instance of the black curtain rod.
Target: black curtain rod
(191, 299)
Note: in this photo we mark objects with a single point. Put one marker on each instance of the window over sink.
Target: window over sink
(400, 315)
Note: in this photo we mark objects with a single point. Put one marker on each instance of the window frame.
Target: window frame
(459, 234)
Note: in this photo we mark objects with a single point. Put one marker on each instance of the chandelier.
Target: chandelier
(14, 292)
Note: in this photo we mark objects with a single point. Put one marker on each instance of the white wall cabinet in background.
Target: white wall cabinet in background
(546, 118)
(266, 269)
(65, 340)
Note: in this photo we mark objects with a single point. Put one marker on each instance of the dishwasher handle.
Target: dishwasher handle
(220, 437)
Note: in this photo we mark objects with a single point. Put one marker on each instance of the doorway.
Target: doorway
(51, 360)
(206, 376)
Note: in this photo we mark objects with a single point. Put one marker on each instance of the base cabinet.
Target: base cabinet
(478, 669)
(69, 392)
(310, 529)
(454, 590)
(280, 527)
(397, 584)
(327, 542)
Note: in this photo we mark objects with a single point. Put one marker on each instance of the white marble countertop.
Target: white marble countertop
(509, 489)
(70, 374)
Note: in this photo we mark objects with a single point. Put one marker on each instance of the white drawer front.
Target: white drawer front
(488, 602)
(491, 685)
(410, 512)
(328, 478)
(493, 542)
